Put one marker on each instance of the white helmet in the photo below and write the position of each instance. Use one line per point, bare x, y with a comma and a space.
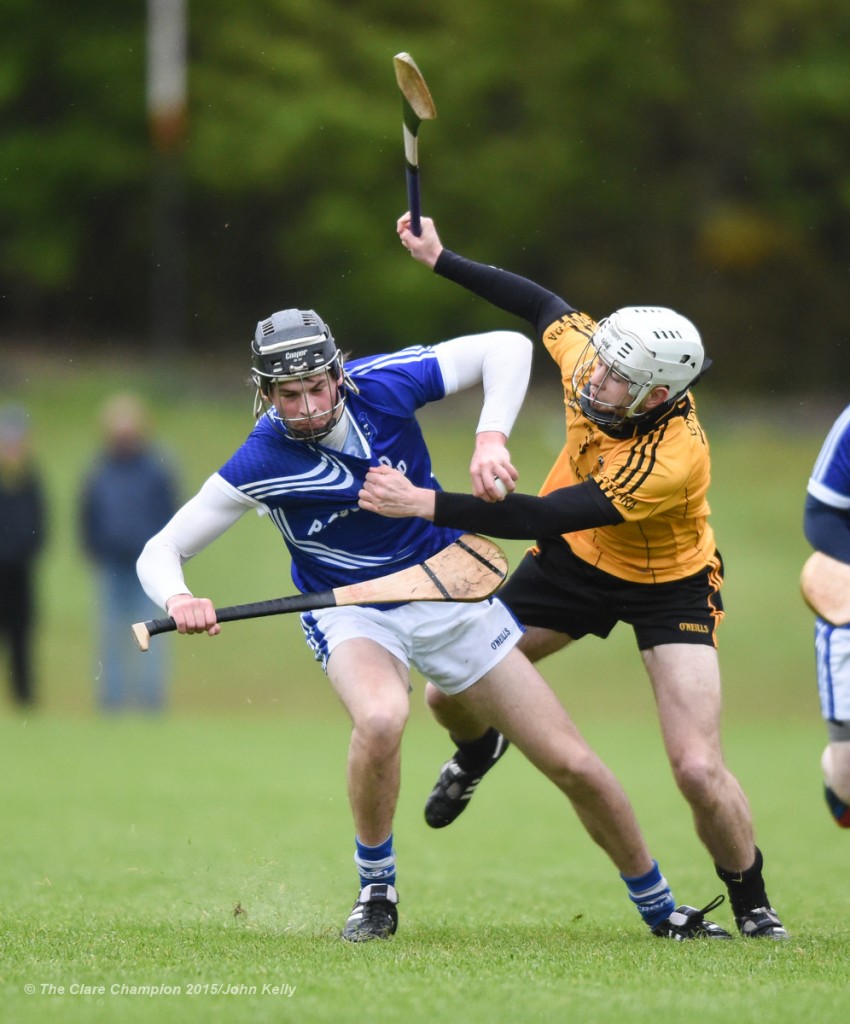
649, 346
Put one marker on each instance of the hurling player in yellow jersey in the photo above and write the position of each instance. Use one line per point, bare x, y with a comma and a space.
622, 535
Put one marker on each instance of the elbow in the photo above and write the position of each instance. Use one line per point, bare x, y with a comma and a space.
144, 559
515, 348
523, 344
514, 341
140, 564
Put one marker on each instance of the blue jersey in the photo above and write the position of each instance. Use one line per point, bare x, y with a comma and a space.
311, 491
830, 479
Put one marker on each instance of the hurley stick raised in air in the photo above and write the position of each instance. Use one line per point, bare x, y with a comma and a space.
417, 106
470, 569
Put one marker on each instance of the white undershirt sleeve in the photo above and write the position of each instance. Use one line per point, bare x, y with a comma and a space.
501, 361
212, 511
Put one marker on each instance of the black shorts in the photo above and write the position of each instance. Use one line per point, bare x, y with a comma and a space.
554, 589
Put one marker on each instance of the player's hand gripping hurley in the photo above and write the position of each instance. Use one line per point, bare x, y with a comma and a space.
417, 106
471, 569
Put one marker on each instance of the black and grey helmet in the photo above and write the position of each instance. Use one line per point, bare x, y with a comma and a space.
296, 344
291, 344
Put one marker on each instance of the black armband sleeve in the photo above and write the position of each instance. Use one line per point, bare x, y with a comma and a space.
827, 529
508, 291
526, 516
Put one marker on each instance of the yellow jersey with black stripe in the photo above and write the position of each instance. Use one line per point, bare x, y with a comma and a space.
657, 479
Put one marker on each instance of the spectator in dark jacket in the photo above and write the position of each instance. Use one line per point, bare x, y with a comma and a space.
128, 495
22, 533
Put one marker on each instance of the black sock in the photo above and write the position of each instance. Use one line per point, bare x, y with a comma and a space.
746, 888
477, 755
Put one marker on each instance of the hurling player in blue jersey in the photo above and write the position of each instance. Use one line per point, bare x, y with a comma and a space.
827, 528
320, 428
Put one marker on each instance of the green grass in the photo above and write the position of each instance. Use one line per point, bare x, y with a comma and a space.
129, 844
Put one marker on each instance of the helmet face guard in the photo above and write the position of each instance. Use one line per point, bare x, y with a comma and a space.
311, 426
296, 345
646, 348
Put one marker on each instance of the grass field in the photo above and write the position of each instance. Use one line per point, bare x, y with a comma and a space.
206, 851
210, 851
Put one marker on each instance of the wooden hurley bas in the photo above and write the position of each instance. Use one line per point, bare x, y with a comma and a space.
470, 569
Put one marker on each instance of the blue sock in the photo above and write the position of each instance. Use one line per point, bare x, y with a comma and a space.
375, 863
652, 896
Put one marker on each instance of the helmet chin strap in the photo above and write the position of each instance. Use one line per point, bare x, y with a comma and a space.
622, 425
311, 434
604, 416
287, 427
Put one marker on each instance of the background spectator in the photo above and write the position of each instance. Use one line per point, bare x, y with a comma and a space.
22, 533
128, 495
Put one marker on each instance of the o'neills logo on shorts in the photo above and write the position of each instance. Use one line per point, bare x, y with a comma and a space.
693, 627
501, 638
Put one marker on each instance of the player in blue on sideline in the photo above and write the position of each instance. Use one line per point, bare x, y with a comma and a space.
320, 426
827, 527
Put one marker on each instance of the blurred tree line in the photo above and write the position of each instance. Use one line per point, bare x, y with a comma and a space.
681, 152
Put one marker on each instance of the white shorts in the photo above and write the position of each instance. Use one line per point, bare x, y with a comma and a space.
452, 644
832, 651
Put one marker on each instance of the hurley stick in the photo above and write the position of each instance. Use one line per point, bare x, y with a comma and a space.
417, 106
470, 569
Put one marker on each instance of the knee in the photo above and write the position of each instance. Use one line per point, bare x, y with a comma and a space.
699, 774
577, 773
435, 698
379, 727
